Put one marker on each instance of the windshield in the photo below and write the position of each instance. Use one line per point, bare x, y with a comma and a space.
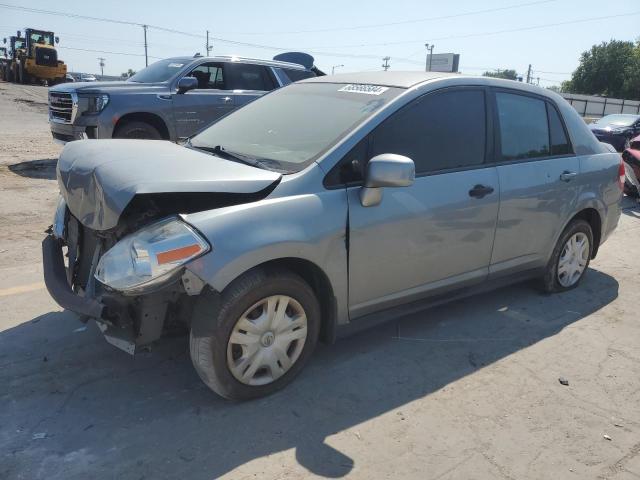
42, 37
619, 120
291, 127
158, 72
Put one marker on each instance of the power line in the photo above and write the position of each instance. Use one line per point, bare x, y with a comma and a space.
107, 52
400, 22
497, 32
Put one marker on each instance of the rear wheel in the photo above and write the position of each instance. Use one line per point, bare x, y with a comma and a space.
138, 130
262, 331
570, 258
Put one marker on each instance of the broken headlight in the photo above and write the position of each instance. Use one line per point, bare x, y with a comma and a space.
150, 256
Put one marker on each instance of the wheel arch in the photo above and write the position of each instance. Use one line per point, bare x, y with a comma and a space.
151, 118
593, 217
319, 282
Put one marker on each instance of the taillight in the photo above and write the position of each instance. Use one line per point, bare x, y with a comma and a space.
621, 174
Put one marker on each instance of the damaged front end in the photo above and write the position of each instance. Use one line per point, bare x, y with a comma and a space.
132, 283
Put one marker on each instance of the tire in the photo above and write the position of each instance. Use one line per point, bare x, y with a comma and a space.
137, 130
215, 358
552, 282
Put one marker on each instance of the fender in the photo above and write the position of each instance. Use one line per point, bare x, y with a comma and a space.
309, 227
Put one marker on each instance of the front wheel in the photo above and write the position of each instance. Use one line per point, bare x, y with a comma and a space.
570, 258
137, 130
261, 332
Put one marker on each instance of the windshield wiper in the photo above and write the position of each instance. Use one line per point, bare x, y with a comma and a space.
219, 150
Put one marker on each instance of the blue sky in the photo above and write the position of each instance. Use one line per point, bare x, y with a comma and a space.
327, 27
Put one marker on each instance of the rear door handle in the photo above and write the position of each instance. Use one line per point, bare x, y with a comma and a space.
567, 176
479, 191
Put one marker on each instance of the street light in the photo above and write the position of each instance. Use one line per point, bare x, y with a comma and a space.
333, 69
427, 63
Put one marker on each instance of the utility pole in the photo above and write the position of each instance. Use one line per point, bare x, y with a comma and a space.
538, 81
386, 65
333, 69
146, 58
529, 74
208, 47
101, 66
427, 62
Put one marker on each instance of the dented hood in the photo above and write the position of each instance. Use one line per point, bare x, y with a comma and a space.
99, 178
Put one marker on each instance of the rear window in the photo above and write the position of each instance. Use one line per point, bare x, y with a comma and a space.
245, 76
296, 75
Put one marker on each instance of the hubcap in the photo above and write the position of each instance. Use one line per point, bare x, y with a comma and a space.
267, 340
573, 259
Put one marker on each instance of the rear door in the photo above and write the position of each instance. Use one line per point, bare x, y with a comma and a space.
437, 233
538, 174
197, 108
248, 81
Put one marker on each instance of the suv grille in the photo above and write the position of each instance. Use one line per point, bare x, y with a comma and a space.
61, 107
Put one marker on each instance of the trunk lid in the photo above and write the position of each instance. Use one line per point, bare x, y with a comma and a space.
99, 178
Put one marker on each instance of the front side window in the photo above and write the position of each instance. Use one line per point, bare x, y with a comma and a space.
439, 131
524, 131
291, 127
209, 76
244, 76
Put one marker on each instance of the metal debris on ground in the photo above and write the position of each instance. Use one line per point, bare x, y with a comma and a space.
607, 437
563, 381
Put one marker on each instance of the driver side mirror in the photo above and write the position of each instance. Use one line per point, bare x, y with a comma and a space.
385, 170
187, 83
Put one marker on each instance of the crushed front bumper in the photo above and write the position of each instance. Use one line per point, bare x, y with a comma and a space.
129, 323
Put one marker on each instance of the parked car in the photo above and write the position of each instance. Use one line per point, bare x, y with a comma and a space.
355, 202
170, 99
631, 158
69, 78
87, 77
617, 129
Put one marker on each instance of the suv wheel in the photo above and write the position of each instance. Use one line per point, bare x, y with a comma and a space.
138, 130
264, 328
570, 258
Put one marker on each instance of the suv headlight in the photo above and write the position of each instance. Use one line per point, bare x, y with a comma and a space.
97, 103
150, 256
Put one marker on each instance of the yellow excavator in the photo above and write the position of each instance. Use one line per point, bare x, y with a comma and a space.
34, 58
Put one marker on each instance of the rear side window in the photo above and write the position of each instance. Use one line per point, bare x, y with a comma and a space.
438, 131
244, 76
296, 75
559, 142
524, 131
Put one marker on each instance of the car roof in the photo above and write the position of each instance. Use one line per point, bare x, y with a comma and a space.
235, 58
386, 79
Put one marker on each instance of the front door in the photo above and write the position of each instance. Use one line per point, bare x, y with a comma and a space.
197, 108
438, 233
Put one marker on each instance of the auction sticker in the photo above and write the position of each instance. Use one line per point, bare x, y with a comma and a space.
364, 88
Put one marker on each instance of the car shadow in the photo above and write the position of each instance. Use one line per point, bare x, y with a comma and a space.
76, 405
43, 169
630, 206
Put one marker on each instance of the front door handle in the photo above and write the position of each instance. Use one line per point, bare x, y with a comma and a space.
567, 176
479, 191
226, 99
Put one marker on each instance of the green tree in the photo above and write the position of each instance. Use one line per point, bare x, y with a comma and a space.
509, 74
128, 73
610, 69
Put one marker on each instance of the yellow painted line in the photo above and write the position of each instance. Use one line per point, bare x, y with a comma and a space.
32, 287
